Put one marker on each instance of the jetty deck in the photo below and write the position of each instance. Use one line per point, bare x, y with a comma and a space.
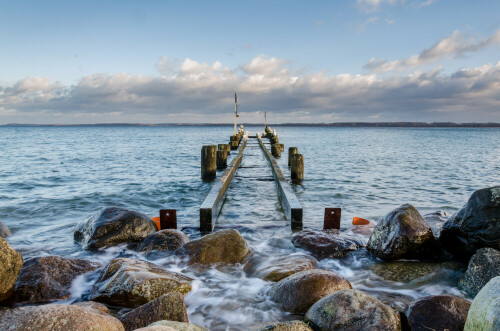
253, 171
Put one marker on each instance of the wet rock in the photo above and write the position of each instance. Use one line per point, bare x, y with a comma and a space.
275, 268
329, 243
406, 271
132, 282
92, 305
483, 266
49, 278
474, 226
172, 326
403, 234
484, 312
300, 291
288, 326
4, 230
439, 312
224, 246
112, 226
164, 240
10, 266
55, 317
352, 310
169, 306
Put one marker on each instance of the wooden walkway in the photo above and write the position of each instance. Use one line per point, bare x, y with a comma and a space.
211, 206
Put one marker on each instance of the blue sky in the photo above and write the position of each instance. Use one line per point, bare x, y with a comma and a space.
316, 61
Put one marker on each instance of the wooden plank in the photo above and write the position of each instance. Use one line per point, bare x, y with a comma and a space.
291, 205
210, 208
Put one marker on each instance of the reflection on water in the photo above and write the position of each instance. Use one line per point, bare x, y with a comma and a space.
53, 178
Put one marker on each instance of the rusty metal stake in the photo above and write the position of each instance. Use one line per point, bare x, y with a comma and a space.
332, 218
168, 219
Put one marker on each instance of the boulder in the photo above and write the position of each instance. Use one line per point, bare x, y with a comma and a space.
131, 283
439, 312
275, 268
10, 266
55, 317
483, 266
172, 326
224, 246
164, 240
328, 243
406, 271
4, 230
474, 226
288, 326
49, 278
300, 291
92, 305
352, 310
169, 306
403, 234
484, 312
112, 226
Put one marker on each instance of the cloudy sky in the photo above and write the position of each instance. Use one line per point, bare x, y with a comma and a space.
301, 61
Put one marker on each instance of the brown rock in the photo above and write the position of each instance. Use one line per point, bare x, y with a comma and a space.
224, 246
132, 282
4, 230
164, 240
275, 268
300, 291
172, 326
169, 306
328, 243
56, 317
288, 326
93, 305
439, 312
49, 278
10, 266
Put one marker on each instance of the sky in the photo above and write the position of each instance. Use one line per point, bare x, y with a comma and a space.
76, 62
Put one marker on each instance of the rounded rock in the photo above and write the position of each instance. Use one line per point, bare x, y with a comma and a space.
4, 230
484, 312
328, 243
275, 268
164, 240
10, 266
483, 266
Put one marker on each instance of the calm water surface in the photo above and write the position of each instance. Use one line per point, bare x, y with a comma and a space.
53, 178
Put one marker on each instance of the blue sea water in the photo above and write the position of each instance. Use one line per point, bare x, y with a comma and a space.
52, 178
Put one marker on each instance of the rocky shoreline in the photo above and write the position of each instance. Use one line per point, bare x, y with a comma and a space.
152, 298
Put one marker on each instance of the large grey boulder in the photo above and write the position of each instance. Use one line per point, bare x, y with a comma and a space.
483, 266
224, 246
484, 312
474, 226
49, 278
10, 266
164, 240
92, 305
287, 326
403, 234
439, 312
169, 306
131, 283
300, 291
112, 226
275, 268
352, 310
55, 317
407, 271
4, 230
328, 243
172, 326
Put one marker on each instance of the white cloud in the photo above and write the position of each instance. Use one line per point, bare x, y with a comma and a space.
370, 6
202, 92
456, 45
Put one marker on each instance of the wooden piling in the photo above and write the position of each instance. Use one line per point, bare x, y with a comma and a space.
297, 167
282, 146
234, 145
274, 139
276, 150
224, 147
208, 161
221, 159
291, 152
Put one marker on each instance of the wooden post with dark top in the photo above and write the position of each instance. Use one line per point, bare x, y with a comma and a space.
291, 152
168, 219
332, 218
276, 150
224, 147
297, 167
208, 161
275, 140
221, 159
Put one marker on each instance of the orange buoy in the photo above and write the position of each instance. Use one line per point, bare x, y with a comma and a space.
157, 222
360, 221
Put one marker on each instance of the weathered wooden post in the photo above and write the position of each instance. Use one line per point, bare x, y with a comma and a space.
224, 147
291, 152
234, 145
282, 147
274, 139
221, 159
276, 150
208, 161
297, 169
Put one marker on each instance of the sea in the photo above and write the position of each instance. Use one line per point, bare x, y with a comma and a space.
53, 178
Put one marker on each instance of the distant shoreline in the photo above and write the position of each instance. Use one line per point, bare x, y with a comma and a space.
337, 124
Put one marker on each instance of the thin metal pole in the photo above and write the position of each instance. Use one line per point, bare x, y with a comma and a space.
235, 112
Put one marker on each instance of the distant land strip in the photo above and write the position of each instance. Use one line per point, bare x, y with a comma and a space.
336, 124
